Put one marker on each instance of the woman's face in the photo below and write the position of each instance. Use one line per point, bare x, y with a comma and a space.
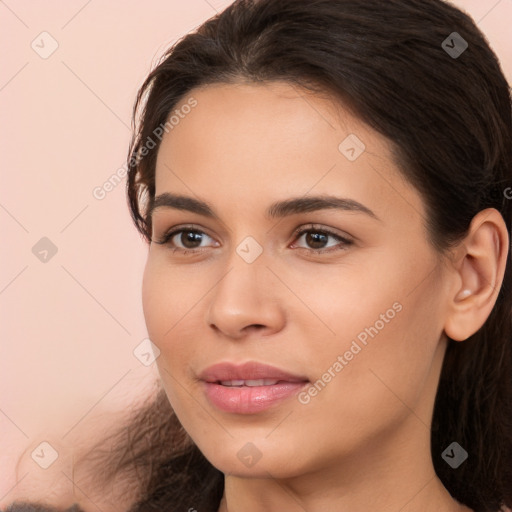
360, 317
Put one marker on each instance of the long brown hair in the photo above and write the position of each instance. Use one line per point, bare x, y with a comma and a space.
446, 108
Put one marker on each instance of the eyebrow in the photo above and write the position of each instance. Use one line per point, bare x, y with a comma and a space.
278, 209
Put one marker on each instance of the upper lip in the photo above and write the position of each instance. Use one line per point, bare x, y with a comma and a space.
251, 370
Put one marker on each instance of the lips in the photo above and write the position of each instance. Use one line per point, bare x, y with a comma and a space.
249, 388
250, 374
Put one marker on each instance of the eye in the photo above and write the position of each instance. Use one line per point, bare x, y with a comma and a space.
318, 237
188, 239
187, 236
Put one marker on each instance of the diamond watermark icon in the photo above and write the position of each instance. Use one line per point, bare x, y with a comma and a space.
44, 249
454, 45
146, 352
249, 455
249, 249
352, 147
44, 455
454, 455
44, 45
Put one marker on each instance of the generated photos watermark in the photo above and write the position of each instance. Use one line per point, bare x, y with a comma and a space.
356, 347
100, 192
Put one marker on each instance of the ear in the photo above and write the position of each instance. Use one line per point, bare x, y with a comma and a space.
477, 270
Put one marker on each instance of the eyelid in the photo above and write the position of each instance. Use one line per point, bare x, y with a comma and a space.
318, 227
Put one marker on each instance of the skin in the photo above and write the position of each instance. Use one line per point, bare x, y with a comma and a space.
363, 441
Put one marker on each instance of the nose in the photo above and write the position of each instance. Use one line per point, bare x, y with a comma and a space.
246, 301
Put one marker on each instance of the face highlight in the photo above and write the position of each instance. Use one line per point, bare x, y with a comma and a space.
344, 290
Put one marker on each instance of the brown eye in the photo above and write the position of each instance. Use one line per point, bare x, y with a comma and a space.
189, 238
183, 239
317, 240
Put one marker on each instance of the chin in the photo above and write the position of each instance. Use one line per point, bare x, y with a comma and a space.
256, 458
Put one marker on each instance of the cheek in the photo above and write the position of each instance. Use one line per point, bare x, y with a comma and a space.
153, 303
386, 331
341, 303
166, 300
379, 384
393, 359
168, 295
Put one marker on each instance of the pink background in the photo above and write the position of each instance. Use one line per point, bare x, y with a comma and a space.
69, 325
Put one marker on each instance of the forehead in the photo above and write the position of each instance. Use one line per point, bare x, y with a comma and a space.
272, 113
273, 139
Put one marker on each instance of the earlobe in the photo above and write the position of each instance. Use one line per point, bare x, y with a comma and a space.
478, 274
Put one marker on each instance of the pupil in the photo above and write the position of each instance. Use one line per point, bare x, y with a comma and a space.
190, 237
315, 238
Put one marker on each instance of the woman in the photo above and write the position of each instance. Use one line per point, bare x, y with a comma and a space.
325, 189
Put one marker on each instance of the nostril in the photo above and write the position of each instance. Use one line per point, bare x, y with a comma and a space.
253, 328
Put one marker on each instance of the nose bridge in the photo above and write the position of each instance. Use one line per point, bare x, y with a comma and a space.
243, 295
245, 274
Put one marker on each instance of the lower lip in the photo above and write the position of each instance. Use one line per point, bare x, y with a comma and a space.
250, 399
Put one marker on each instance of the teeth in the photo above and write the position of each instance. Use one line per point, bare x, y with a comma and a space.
232, 382
259, 382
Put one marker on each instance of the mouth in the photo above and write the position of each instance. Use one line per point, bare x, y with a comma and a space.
249, 388
250, 373
249, 383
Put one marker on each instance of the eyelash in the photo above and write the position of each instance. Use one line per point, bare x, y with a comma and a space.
165, 240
